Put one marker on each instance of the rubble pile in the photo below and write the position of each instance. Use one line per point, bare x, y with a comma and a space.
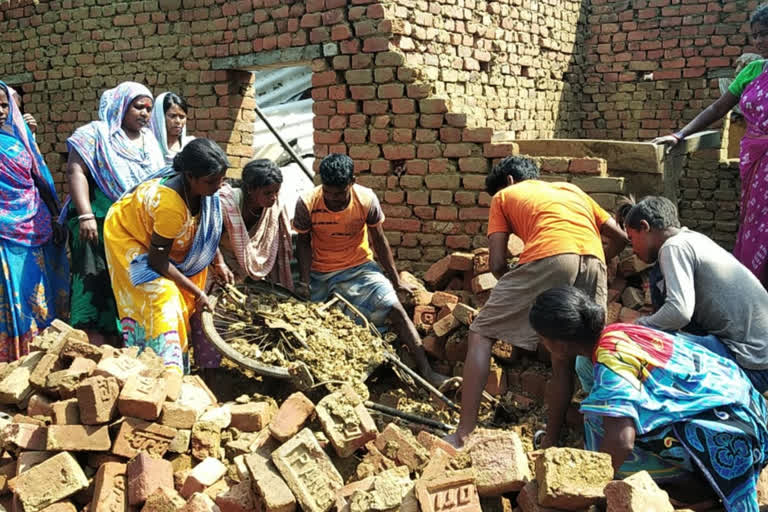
284, 332
100, 429
453, 289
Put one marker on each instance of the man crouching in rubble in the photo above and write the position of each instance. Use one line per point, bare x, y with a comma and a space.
334, 222
561, 227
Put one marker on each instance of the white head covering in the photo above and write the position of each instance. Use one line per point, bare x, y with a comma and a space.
157, 124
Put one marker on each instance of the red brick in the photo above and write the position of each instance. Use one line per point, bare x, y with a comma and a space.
587, 166
24, 436
375, 44
142, 397
291, 416
440, 299
433, 106
163, 500
400, 445
39, 405
60, 477
456, 492
78, 438
109, 488
66, 412
483, 282
253, 416
145, 475
439, 273
204, 475
564, 484
346, 421
136, 435
424, 317
534, 384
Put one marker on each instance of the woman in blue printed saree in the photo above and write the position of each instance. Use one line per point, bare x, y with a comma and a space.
660, 402
106, 158
160, 239
35, 271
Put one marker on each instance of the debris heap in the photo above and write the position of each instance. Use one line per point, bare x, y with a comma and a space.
454, 289
99, 429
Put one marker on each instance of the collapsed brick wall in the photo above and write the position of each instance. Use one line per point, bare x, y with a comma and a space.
421, 154
514, 66
422, 142
652, 65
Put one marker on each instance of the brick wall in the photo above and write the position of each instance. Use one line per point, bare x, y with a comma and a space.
384, 87
512, 66
652, 65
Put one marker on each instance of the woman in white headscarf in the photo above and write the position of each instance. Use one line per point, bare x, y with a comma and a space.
169, 124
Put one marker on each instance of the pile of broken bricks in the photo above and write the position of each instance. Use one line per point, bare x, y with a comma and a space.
97, 429
452, 290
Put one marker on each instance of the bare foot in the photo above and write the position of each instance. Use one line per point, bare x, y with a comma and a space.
455, 440
436, 379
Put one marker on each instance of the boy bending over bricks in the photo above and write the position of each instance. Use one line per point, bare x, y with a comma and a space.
561, 227
335, 222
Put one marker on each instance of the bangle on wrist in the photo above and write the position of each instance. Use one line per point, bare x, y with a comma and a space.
677, 137
85, 216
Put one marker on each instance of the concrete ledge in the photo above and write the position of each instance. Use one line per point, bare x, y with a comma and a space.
622, 157
274, 58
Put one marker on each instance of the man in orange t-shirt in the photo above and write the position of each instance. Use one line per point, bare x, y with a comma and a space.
561, 227
335, 222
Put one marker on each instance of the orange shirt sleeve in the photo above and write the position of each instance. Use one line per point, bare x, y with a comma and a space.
601, 216
497, 221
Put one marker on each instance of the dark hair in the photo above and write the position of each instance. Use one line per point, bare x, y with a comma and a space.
260, 173
623, 208
200, 158
659, 212
172, 99
567, 314
519, 167
337, 170
759, 15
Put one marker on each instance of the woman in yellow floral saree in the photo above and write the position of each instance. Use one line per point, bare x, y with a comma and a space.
160, 239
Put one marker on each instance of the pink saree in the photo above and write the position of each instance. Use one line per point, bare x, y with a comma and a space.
751, 247
265, 251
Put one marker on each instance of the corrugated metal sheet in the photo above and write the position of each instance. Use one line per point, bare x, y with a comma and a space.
283, 96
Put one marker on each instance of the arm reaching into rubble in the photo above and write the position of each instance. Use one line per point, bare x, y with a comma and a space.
497, 257
617, 238
559, 396
304, 257
619, 440
159, 250
302, 223
677, 266
384, 256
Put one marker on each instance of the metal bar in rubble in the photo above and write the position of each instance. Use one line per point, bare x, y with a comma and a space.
421, 380
413, 418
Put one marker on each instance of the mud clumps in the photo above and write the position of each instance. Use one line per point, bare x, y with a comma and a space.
282, 331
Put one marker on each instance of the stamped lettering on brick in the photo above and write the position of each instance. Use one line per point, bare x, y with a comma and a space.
310, 475
149, 442
102, 391
454, 493
455, 499
145, 385
308, 471
140, 436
